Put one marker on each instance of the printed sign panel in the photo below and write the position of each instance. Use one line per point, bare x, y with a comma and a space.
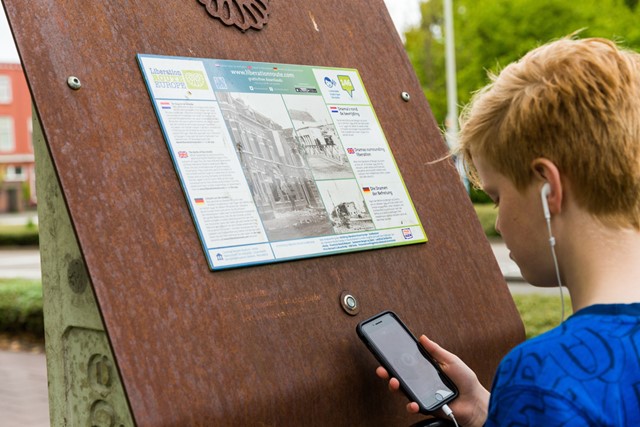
278, 161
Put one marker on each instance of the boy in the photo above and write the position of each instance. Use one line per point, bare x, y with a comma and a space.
561, 128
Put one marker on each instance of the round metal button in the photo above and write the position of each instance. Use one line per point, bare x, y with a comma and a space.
349, 303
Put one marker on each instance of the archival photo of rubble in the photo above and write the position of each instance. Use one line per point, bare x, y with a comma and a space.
317, 137
346, 207
280, 179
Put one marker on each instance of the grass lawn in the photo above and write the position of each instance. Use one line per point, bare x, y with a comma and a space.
19, 235
21, 321
487, 214
540, 313
17, 229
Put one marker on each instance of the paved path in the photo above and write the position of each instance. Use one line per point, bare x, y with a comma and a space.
23, 390
20, 218
20, 262
25, 263
24, 400
513, 276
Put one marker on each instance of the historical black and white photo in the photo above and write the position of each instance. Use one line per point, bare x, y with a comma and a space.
278, 175
317, 137
346, 206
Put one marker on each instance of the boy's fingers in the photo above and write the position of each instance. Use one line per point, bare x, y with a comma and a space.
413, 408
382, 373
441, 355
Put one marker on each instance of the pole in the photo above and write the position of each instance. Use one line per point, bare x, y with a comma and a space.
451, 123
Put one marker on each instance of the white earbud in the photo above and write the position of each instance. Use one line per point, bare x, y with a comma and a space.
544, 193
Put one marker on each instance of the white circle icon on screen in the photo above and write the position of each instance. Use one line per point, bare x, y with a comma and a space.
408, 359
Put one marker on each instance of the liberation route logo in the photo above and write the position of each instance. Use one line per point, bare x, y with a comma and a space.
195, 80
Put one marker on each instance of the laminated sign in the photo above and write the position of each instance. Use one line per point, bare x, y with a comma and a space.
278, 161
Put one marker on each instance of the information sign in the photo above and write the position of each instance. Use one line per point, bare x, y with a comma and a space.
278, 161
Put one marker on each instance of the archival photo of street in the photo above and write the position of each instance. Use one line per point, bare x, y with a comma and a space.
273, 160
346, 206
318, 137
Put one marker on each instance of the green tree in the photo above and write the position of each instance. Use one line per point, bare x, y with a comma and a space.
490, 34
425, 48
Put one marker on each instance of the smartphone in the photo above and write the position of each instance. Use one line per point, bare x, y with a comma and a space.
402, 355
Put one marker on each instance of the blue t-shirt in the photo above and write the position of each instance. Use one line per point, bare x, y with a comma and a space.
585, 372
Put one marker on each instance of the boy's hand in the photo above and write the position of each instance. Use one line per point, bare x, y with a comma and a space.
470, 407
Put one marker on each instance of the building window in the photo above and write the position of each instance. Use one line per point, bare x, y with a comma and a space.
5, 90
30, 132
7, 138
15, 173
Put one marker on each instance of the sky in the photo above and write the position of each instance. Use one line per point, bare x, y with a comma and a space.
8, 52
405, 13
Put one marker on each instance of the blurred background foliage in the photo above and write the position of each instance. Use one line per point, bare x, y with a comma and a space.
489, 34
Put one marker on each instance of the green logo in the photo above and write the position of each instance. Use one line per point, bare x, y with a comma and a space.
195, 79
346, 84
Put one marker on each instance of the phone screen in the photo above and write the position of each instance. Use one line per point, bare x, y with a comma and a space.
395, 344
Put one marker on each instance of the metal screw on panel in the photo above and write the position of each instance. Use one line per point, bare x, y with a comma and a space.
74, 82
405, 96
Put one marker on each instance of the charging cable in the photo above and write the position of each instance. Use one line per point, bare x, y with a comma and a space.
449, 413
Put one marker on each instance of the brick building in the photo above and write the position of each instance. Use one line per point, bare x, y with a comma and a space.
17, 165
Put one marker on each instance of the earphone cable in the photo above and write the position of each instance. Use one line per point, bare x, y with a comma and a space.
552, 242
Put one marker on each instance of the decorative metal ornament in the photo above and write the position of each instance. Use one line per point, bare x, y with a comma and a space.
244, 14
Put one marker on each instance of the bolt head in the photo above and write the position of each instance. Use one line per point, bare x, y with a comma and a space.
74, 82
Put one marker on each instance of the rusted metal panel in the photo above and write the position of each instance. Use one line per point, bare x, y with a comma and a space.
267, 345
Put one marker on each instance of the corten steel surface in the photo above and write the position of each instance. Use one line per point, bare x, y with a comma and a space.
267, 345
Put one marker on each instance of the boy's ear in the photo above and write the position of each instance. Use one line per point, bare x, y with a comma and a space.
546, 172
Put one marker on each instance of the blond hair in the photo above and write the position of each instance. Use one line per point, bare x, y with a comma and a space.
576, 103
